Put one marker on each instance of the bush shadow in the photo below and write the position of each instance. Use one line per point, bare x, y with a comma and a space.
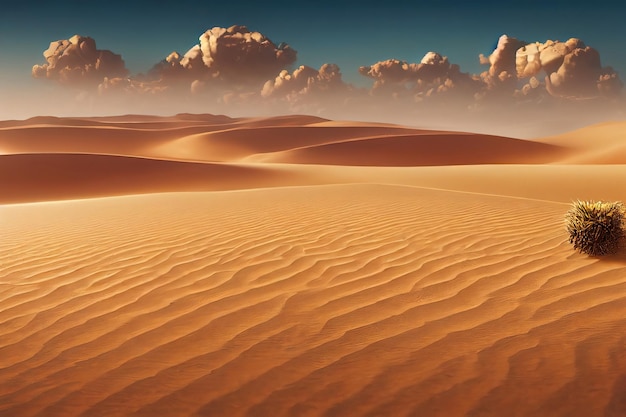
617, 257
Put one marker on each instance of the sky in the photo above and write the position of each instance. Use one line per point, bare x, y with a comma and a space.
349, 33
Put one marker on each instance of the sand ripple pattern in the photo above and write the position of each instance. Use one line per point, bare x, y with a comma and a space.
345, 300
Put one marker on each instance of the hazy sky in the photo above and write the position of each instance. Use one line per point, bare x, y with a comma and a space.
347, 33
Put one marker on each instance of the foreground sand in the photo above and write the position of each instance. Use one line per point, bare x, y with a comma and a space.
281, 288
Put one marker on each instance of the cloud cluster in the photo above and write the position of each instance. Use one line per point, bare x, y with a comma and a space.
78, 61
235, 68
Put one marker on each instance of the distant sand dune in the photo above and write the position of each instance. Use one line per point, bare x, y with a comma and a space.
290, 120
158, 150
133, 141
130, 120
423, 150
198, 265
245, 142
318, 143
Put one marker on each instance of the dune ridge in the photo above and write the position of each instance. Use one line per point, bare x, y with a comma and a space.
198, 265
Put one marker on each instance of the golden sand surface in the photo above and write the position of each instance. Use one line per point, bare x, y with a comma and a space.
204, 266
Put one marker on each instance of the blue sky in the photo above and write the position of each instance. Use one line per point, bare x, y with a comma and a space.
348, 33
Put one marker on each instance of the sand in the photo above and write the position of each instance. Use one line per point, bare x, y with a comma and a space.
204, 266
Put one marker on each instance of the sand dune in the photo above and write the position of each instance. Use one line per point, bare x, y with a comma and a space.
129, 141
601, 134
122, 121
290, 120
598, 144
45, 177
247, 142
318, 268
431, 149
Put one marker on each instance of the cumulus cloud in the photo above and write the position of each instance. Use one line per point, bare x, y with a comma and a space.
129, 86
391, 71
582, 76
535, 57
233, 55
78, 61
570, 69
609, 83
431, 67
433, 76
502, 59
577, 75
179, 68
308, 89
305, 80
501, 79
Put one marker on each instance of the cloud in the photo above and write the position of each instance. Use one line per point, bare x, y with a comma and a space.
581, 76
500, 79
78, 61
306, 80
570, 69
391, 71
431, 67
305, 90
433, 76
233, 55
129, 86
609, 84
176, 68
502, 59
535, 57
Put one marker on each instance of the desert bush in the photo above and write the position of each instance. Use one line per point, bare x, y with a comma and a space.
596, 227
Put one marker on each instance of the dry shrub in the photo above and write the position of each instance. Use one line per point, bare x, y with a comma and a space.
596, 227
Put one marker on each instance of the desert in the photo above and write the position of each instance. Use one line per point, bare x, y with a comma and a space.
203, 265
